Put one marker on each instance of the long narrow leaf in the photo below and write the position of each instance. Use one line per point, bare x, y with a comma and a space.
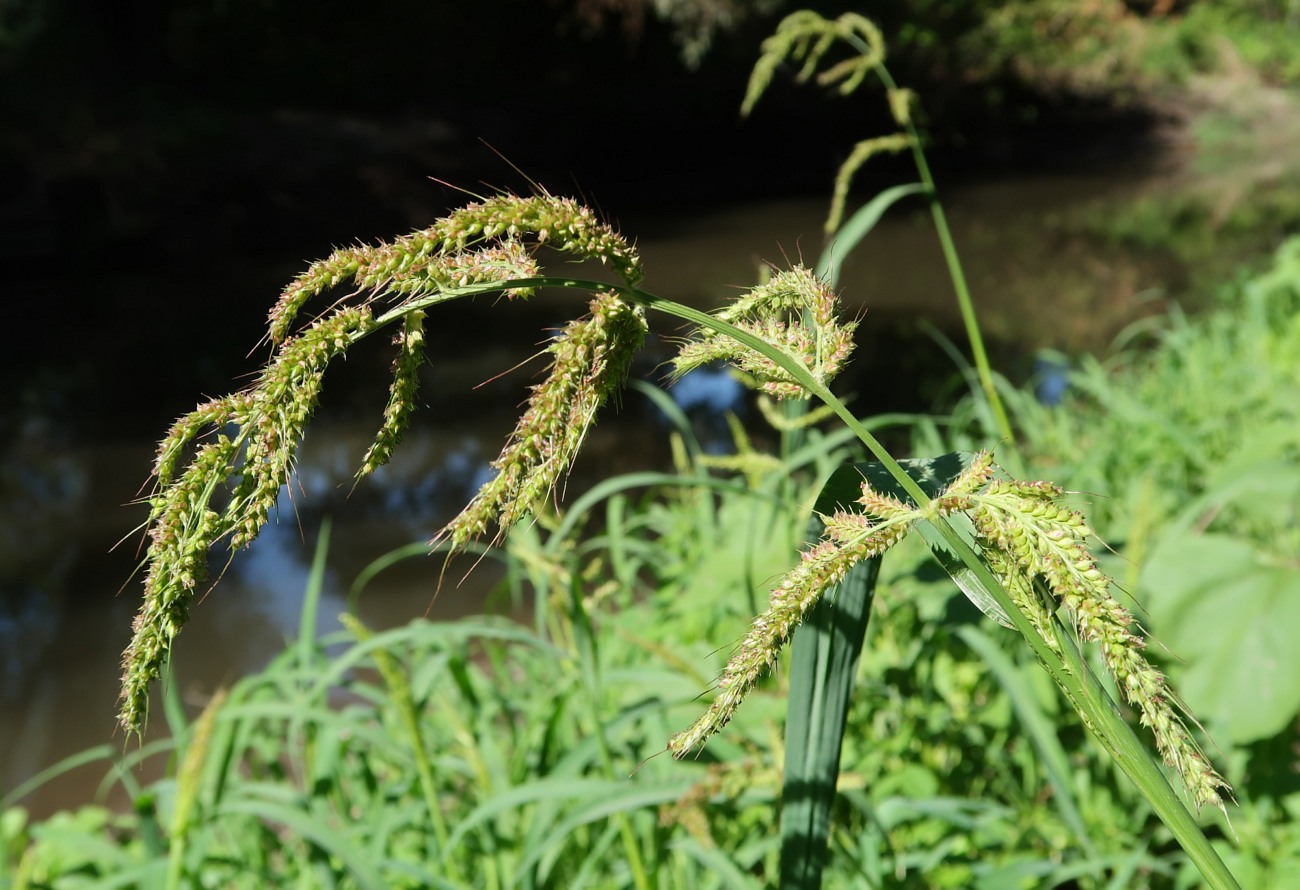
1037, 725
823, 664
860, 223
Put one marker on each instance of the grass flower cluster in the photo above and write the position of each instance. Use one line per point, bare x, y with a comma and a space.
805, 38
590, 362
795, 312
784, 337
241, 448
1031, 539
1037, 547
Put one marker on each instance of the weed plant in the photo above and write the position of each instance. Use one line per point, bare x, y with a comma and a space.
425, 756
1187, 439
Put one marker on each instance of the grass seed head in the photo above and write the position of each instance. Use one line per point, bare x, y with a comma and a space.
590, 360
796, 312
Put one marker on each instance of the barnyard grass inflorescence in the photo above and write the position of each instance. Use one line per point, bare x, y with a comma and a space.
1038, 549
241, 448
796, 312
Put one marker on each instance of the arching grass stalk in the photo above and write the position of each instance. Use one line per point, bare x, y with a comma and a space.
806, 37
1051, 642
785, 335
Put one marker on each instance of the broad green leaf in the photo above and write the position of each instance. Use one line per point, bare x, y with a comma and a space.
1231, 616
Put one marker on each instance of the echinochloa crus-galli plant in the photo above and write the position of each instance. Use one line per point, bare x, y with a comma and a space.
220, 469
1028, 539
241, 448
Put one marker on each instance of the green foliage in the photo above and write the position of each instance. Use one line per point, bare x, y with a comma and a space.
1261, 32
423, 756
1188, 452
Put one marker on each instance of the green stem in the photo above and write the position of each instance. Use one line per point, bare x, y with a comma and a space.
949, 248
954, 270
1063, 661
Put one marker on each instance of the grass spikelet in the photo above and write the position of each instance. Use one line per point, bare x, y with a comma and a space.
862, 152
1029, 535
560, 223
901, 101
213, 414
401, 393
284, 400
848, 538
590, 360
805, 37
265, 425
794, 311
478, 242
957, 495
180, 537
502, 262
244, 445
366, 267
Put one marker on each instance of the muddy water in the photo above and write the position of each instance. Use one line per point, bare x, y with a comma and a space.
68, 615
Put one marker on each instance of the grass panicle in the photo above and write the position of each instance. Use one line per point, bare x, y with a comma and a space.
849, 537
243, 446
795, 312
891, 143
783, 336
448, 252
805, 37
1028, 537
590, 360
401, 393
1033, 536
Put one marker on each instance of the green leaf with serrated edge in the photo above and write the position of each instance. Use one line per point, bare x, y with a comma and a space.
933, 474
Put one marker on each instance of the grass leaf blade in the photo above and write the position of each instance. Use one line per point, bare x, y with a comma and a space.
823, 665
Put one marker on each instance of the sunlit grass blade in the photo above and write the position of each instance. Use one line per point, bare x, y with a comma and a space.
822, 669
859, 225
1039, 728
626, 799
261, 802
104, 753
719, 866
311, 600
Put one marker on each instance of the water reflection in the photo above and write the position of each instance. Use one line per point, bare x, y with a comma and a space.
42, 497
